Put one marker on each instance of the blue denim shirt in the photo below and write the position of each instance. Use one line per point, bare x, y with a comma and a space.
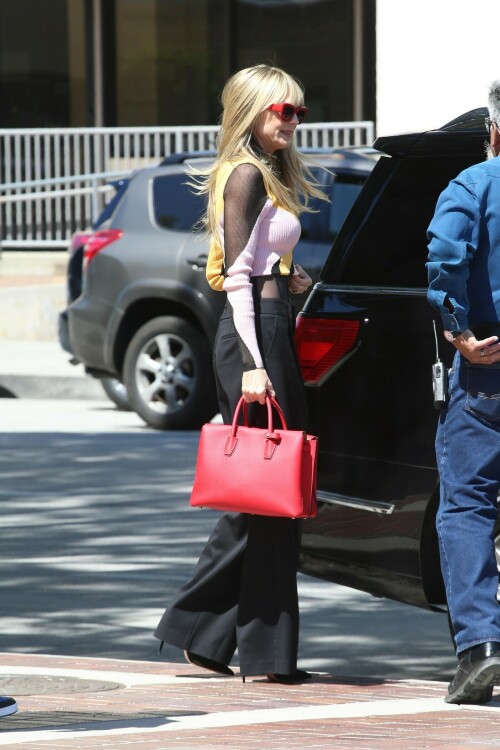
464, 249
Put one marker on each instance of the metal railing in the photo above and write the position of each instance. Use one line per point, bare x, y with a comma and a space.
52, 180
45, 194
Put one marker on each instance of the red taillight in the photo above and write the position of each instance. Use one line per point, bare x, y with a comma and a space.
322, 343
97, 241
78, 239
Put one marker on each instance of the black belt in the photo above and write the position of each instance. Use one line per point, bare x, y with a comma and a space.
484, 332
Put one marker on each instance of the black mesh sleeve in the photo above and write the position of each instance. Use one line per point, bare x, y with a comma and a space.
244, 199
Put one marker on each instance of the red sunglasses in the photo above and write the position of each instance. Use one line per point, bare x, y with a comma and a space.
287, 111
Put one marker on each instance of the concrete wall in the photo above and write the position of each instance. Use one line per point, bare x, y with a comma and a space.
32, 293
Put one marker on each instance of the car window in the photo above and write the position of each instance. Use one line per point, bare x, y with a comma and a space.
383, 242
313, 222
343, 196
323, 225
120, 186
175, 205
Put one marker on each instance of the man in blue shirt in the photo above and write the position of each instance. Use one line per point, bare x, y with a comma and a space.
464, 286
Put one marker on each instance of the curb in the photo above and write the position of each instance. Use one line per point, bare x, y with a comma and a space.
34, 387
87, 703
32, 363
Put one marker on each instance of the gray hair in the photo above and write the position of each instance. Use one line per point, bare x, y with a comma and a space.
494, 101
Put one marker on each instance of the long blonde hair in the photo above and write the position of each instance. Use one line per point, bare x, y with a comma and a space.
246, 95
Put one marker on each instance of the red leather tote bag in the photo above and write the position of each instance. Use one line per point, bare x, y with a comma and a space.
267, 472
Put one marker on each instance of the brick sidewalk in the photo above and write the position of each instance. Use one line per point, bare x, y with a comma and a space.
67, 702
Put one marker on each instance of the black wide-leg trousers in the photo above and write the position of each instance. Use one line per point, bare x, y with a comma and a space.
243, 593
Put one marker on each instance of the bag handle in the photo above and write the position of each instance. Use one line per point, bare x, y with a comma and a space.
270, 402
272, 438
274, 403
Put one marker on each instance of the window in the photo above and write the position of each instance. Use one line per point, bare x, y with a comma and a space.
324, 224
164, 62
174, 203
42, 63
171, 61
384, 240
344, 194
171, 58
311, 40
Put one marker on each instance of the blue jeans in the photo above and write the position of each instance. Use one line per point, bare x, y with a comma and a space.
468, 455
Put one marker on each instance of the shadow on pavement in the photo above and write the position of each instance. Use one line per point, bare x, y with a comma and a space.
97, 534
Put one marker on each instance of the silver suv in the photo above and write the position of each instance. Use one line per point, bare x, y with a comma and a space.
146, 315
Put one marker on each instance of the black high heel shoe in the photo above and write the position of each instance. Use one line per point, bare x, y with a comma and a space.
290, 679
204, 663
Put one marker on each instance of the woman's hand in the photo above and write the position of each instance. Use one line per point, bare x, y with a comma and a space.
255, 385
483, 352
300, 281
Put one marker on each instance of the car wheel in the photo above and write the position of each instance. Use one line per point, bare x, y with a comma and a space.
168, 375
116, 391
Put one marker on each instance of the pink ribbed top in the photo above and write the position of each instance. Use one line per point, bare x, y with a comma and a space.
268, 251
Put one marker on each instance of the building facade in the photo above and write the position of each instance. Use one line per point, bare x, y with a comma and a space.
76, 63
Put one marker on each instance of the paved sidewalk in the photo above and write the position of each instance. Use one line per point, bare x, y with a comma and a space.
71, 702
32, 362
42, 369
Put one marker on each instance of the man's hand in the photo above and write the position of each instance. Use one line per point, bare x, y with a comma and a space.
484, 352
255, 385
300, 281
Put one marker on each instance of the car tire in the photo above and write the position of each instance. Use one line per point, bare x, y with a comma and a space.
168, 375
117, 392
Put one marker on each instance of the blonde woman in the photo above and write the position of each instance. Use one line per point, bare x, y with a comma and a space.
243, 594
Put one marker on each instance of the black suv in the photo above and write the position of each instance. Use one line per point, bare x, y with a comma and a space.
146, 315
366, 343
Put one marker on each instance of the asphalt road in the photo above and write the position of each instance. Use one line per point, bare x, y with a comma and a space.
96, 534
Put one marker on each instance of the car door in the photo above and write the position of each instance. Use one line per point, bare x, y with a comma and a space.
370, 324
